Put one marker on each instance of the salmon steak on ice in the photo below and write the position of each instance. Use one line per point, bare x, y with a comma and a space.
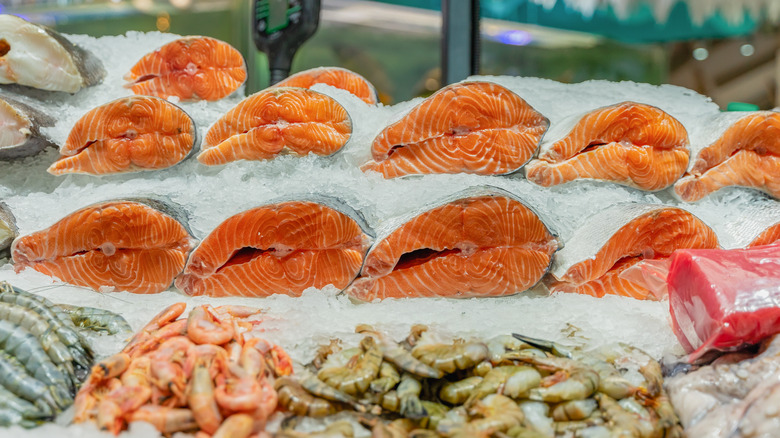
275, 121
596, 259
335, 77
190, 68
629, 143
125, 135
133, 245
746, 154
280, 248
468, 127
479, 242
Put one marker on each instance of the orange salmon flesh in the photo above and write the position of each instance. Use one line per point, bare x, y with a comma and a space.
470, 127
654, 235
335, 77
275, 121
631, 144
276, 249
477, 246
128, 134
747, 154
125, 245
190, 68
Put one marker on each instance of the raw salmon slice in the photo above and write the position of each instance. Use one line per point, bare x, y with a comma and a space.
595, 259
482, 242
190, 68
767, 237
280, 248
275, 121
126, 135
335, 77
747, 154
136, 246
629, 143
470, 127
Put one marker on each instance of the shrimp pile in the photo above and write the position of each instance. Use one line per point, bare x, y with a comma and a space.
510, 386
208, 373
43, 357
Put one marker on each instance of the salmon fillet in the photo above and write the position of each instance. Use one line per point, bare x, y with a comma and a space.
652, 232
127, 245
767, 237
483, 245
470, 127
747, 154
629, 143
335, 77
128, 134
282, 248
275, 121
190, 68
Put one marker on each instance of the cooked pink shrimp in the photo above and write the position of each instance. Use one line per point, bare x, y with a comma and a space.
200, 397
204, 327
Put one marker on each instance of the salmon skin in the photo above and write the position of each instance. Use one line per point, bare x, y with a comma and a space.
280, 120
479, 242
126, 135
37, 56
629, 143
747, 154
468, 127
20, 129
281, 248
190, 68
335, 77
137, 245
610, 242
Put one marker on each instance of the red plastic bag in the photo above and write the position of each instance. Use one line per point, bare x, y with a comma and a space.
724, 299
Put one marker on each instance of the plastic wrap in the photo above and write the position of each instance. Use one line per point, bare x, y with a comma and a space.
724, 299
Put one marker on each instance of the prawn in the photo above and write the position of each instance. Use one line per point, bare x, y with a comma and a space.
572, 381
409, 395
355, 380
388, 378
97, 319
511, 380
235, 426
204, 327
450, 358
167, 316
200, 397
295, 399
397, 355
456, 393
166, 420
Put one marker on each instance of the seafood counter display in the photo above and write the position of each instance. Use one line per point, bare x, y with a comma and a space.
549, 210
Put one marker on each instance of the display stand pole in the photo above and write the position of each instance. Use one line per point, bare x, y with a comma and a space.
460, 40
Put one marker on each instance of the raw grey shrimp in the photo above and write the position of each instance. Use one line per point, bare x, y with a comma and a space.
317, 387
456, 393
409, 394
553, 347
572, 380
338, 428
624, 423
388, 378
97, 319
451, 358
496, 413
355, 380
37, 326
14, 378
11, 417
646, 422
523, 432
436, 413
499, 346
300, 402
29, 410
25, 347
324, 352
399, 356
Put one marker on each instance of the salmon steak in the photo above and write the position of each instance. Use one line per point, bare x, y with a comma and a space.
137, 246
190, 68
296, 121
767, 237
335, 77
125, 135
469, 127
747, 154
482, 242
629, 143
596, 259
280, 248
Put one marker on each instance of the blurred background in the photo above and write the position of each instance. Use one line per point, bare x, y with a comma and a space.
727, 49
